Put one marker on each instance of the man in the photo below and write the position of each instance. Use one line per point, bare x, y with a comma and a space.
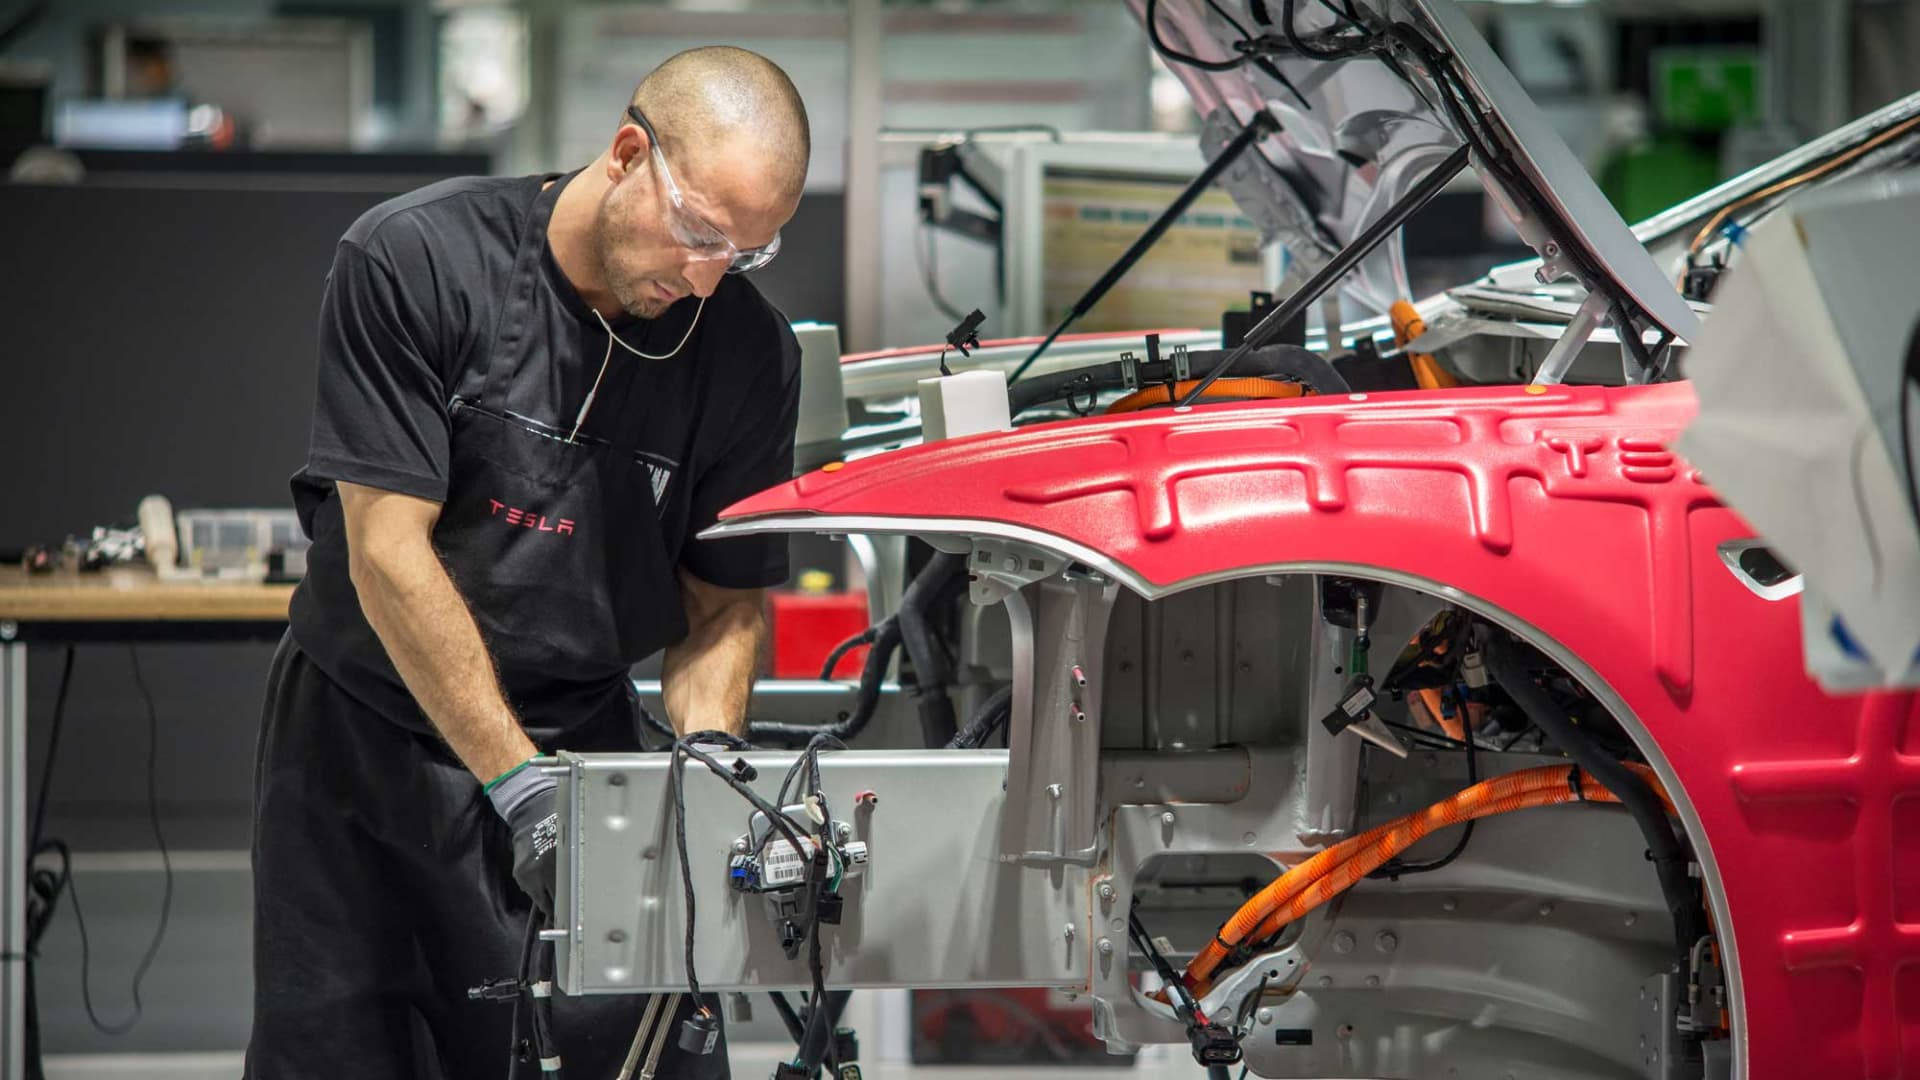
533, 393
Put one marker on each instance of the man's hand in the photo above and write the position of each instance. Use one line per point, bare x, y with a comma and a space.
705, 680
526, 799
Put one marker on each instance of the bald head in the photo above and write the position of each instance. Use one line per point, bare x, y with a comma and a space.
723, 100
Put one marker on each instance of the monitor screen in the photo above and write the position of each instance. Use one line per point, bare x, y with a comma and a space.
1208, 261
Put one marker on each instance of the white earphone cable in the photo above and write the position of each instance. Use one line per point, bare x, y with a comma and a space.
587, 405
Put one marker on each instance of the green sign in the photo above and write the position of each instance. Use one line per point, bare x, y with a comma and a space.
1706, 89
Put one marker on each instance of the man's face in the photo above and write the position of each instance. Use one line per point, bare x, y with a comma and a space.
646, 267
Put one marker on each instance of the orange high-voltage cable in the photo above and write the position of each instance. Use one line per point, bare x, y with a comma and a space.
1333, 871
1240, 389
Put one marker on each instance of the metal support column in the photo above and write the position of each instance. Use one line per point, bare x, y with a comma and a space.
865, 113
13, 850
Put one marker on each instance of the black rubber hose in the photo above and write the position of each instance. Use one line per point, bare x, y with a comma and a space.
930, 670
885, 643
864, 637
987, 717
1508, 667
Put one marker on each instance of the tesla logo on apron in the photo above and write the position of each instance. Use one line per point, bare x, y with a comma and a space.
529, 519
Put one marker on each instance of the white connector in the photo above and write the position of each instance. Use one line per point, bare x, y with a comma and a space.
964, 404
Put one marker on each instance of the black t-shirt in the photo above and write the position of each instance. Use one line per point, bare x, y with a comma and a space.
410, 315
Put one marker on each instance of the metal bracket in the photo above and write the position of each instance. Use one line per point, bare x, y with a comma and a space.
1654, 1024
1000, 567
1560, 358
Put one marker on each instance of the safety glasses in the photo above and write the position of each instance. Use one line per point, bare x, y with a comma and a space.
694, 232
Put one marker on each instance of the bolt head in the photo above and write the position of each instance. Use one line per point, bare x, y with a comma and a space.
1265, 1016
1106, 891
1069, 930
740, 845
1106, 947
1344, 942
1326, 980
1166, 818
1373, 982
1386, 941
1054, 790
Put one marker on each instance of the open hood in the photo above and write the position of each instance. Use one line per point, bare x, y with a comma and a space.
1372, 95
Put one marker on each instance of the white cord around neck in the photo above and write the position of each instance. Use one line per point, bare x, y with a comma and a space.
587, 405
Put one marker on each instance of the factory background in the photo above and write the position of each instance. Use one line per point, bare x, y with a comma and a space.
180, 172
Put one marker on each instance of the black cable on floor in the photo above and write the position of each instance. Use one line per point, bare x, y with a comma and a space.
166, 865
53, 751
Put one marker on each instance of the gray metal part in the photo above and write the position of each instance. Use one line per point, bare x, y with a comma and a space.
13, 843
1653, 1025
1557, 175
1053, 775
941, 902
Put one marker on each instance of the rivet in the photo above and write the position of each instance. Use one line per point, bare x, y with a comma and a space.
616, 935
1393, 798
1344, 942
1345, 1032
1632, 917
1265, 1016
1069, 931
1386, 941
1245, 667
1449, 904
1373, 982
1053, 790
1012, 562
1546, 909
1326, 980
617, 780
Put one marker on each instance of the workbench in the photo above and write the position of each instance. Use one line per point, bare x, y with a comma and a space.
121, 604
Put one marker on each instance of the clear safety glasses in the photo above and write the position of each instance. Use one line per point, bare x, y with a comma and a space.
694, 232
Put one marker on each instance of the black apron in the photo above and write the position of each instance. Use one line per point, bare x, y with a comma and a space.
564, 546
383, 882
555, 540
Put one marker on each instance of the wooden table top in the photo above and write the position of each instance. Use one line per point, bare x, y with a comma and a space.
134, 594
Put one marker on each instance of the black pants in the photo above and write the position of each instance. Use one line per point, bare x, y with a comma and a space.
382, 889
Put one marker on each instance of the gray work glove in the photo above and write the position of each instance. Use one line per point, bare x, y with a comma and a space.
526, 801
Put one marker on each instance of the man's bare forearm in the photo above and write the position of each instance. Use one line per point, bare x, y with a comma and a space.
424, 624
706, 679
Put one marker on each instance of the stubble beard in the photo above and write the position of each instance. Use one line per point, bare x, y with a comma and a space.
628, 290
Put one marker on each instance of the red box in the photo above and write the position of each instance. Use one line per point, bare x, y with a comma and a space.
806, 627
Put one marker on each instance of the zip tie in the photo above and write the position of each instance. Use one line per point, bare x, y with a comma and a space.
1573, 781
541, 989
550, 1065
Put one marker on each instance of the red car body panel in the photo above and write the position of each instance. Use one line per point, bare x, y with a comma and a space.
1561, 507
